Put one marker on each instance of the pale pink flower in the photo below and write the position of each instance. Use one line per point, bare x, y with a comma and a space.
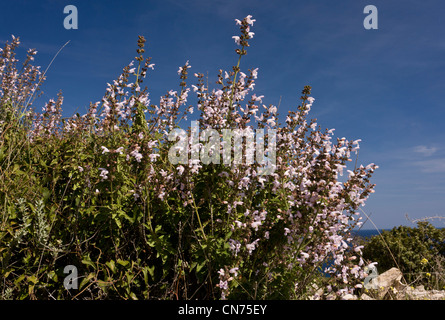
234, 271
255, 225
153, 157
180, 170
249, 20
251, 246
103, 173
135, 153
304, 254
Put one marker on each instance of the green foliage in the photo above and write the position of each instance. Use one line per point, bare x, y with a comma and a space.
418, 252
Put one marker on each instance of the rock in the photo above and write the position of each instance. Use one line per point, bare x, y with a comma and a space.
436, 295
420, 288
366, 297
387, 280
331, 296
317, 293
419, 293
349, 297
388, 285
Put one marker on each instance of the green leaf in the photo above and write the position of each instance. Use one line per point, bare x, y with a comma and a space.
86, 280
123, 263
125, 215
111, 265
133, 296
32, 279
103, 284
53, 276
16, 170
151, 271
19, 279
88, 262
54, 161
145, 273
200, 266
45, 193
2, 153
117, 220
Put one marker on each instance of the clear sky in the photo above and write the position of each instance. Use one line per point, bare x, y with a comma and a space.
384, 86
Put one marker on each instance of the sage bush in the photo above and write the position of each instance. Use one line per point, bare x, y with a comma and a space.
98, 191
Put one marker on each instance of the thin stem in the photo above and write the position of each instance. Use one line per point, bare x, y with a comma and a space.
234, 80
199, 219
43, 76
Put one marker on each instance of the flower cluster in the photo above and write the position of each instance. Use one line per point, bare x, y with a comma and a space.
18, 89
246, 34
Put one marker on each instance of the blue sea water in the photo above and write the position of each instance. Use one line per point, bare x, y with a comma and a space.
367, 233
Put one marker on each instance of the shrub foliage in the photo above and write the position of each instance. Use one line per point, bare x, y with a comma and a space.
418, 252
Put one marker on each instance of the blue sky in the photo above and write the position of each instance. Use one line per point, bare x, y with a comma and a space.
384, 86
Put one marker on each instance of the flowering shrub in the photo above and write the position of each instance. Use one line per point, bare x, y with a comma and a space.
98, 191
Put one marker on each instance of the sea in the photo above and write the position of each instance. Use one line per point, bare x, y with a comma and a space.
367, 233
